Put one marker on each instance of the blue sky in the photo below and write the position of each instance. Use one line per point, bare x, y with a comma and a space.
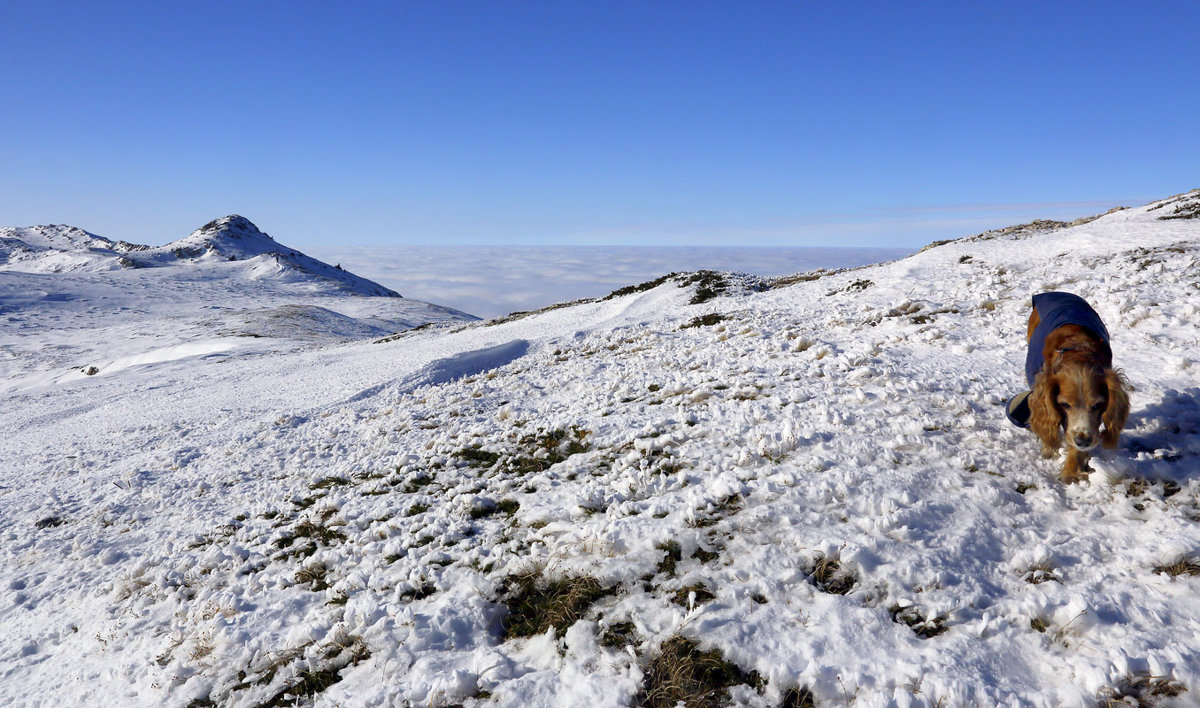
717, 123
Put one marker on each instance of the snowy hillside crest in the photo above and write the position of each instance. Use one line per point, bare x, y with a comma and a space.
709, 489
60, 248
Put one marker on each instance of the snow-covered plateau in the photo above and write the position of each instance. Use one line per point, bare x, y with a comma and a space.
711, 488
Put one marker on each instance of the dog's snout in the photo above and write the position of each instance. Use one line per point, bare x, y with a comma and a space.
1084, 440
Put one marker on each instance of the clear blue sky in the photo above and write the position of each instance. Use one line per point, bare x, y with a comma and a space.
770, 123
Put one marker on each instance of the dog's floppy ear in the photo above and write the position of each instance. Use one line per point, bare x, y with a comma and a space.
1044, 418
1117, 411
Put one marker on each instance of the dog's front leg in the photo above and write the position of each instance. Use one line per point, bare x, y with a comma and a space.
1076, 468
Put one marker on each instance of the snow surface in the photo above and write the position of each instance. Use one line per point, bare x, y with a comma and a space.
199, 533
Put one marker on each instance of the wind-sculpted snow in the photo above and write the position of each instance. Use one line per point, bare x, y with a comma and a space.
811, 490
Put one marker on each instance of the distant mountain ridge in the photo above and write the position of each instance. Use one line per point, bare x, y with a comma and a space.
59, 248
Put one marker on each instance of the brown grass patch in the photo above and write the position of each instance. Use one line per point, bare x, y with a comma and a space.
683, 673
535, 603
1140, 690
1184, 565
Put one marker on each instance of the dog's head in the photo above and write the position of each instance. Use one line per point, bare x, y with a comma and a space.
1074, 400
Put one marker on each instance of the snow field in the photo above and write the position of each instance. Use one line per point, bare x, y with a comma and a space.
818, 483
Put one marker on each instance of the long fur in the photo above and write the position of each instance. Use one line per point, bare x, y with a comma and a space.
1045, 420
1117, 411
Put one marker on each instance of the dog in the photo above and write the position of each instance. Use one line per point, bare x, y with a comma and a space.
1073, 385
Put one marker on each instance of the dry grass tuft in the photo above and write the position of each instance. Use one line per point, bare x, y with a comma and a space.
798, 697
1139, 690
1184, 565
536, 604
829, 576
620, 635
683, 673
692, 596
1039, 573
923, 626
672, 554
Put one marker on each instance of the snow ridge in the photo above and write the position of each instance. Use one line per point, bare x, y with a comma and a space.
233, 238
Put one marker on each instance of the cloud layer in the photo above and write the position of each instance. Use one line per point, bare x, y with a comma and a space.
490, 281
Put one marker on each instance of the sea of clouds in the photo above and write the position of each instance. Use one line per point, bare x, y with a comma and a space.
490, 281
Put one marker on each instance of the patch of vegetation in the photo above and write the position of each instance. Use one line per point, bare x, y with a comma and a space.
705, 320
927, 317
672, 554
806, 277
1139, 690
620, 635
640, 287
1039, 624
314, 575
313, 680
828, 576
328, 482
50, 522
478, 456
705, 556
1140, 486
924, 627
798, 697
548, 448
709, 284
1040, 573
419, 593
1186, 210
682, 673
855, 287
417, 509
314, 533
536, 603
692, 595
414, 485
1184, 565
326, 535
965, 259
935, 244
1022, 487
507, 506
727, 506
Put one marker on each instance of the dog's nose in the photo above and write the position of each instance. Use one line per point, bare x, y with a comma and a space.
1083, 440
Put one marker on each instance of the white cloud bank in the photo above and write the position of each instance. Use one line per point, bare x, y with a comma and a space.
490, 281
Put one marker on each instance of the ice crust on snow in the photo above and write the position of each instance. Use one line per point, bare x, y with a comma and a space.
223, 529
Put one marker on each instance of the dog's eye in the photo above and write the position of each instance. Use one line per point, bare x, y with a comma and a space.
1065, 405
1098, 406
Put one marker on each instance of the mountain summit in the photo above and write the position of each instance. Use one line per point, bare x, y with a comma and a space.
229, 239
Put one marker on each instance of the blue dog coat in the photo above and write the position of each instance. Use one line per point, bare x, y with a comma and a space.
1054, 310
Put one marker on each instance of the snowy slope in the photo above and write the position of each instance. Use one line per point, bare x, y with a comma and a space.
233, 238
72, 302
811, 478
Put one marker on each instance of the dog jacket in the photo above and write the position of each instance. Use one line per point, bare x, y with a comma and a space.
1055, 310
